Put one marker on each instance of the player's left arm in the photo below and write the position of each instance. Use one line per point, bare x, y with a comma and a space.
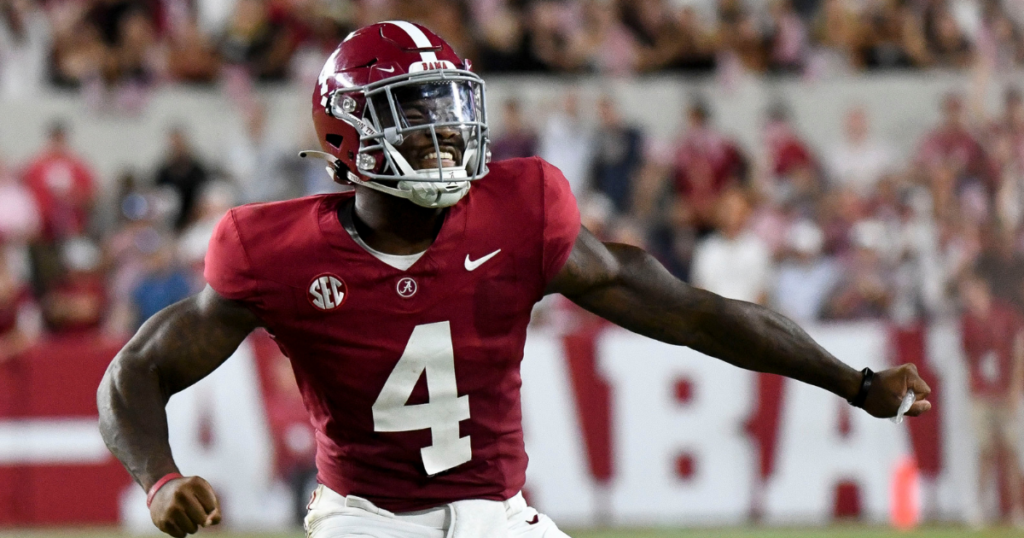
627, 286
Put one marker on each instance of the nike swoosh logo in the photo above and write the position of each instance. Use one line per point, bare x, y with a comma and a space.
388, 70
471, 265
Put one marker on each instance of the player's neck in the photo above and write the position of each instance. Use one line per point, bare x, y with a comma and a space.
394, 225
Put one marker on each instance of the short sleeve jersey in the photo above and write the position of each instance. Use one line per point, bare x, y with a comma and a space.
411, 378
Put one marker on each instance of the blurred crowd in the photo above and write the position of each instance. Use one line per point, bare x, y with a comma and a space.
115, 49
836, 230
76, 259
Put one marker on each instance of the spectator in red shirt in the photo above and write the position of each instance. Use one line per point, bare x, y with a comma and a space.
63, 185
993, 340
707, 162
77, 301
517, 138
793, 168
952, 144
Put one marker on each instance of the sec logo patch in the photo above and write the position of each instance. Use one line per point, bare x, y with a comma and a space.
327, 292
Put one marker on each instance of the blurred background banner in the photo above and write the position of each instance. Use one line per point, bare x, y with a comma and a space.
683, 441
857, 165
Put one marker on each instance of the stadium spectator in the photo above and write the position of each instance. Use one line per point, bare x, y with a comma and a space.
860, 161
79, 53
706, 164
743, 41
550, 28
103, 43
25, 42
837, 31
517, 138
805, 278
255, 160
16, 307
163, 281
654, 30
191, 54
603, 42
216, 199
787, 38
64, 189
733, 262
948, 46
63, 186
256, 41
1001, 264
999, 41
696, 49
182, 171
866, 289
77, 301
992, 335
792, 167
20, 221
893, 37
952, 145
618, 150
566, 141
504, 42
143, 213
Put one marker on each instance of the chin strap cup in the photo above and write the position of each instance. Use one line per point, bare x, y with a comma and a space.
434, 194
430, 194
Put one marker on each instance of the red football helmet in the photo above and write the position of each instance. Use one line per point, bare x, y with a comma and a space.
385, 83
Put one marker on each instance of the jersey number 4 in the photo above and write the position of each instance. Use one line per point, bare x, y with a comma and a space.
429, 349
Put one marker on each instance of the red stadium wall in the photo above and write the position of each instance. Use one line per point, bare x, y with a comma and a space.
54, 468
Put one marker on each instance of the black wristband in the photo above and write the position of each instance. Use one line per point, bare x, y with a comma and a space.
865, 386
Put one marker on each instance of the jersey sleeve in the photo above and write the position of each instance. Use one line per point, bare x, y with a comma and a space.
228, 269
561, 220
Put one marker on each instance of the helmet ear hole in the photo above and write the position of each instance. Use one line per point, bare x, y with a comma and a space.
334, 140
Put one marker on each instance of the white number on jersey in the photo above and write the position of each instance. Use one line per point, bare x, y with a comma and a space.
430, 349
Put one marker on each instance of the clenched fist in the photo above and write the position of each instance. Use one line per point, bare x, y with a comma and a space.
890, 386
183, 505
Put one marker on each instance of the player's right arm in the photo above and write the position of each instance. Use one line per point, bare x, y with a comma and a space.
177, 347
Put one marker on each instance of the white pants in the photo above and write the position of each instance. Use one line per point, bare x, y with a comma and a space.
332, 515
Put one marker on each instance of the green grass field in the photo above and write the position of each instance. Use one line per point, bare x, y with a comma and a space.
830, 532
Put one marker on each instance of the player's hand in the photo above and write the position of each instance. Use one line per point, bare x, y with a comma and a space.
183, 505
890, 386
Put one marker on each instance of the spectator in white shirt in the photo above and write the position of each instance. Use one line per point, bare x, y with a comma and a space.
566, 141
255, 160
25, 42
860, 161
805, 280
733, 262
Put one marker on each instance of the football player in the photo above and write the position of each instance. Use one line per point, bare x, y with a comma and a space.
430, 268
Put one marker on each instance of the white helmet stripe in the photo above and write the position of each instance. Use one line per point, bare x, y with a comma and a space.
419, 38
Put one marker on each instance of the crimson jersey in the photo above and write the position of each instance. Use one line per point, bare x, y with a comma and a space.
411, 378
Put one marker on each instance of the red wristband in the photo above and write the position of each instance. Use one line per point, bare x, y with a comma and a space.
159, 484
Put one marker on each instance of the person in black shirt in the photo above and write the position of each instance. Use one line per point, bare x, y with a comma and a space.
184, 173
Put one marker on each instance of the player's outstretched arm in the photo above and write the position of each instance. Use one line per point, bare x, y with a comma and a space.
627, 286
178, 346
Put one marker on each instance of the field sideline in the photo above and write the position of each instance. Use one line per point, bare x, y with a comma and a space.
829, 532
